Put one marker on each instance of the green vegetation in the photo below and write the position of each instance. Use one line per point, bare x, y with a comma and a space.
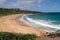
16, 36
5, 11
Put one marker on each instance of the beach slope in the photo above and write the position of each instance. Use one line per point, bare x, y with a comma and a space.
9, 24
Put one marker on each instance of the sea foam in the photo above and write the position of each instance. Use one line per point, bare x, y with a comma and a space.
42, 24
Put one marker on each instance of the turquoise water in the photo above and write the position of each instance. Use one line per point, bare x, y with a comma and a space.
48, 22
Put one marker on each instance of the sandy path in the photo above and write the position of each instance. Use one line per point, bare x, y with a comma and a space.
9, 24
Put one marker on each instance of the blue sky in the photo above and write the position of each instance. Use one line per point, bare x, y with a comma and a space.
37, 5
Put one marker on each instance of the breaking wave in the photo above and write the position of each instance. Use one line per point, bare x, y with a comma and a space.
41, 24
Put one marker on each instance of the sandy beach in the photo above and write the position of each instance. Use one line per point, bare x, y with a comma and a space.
9, 24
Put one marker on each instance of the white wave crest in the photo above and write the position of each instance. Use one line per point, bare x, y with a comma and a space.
46, 25
43, 23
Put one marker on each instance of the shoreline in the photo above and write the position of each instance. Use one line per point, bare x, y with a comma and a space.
39, 31
10, 24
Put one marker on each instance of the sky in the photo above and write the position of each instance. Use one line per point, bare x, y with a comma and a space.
36, 5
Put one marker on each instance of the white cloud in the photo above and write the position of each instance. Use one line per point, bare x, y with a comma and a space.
2, 1
20, 3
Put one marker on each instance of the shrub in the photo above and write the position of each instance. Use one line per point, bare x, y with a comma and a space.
16, 36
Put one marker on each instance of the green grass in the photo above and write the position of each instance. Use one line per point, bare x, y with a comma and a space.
16, 36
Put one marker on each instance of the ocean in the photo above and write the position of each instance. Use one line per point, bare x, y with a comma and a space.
47, 21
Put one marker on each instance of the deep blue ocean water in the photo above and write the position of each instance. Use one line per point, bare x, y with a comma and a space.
46, 21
